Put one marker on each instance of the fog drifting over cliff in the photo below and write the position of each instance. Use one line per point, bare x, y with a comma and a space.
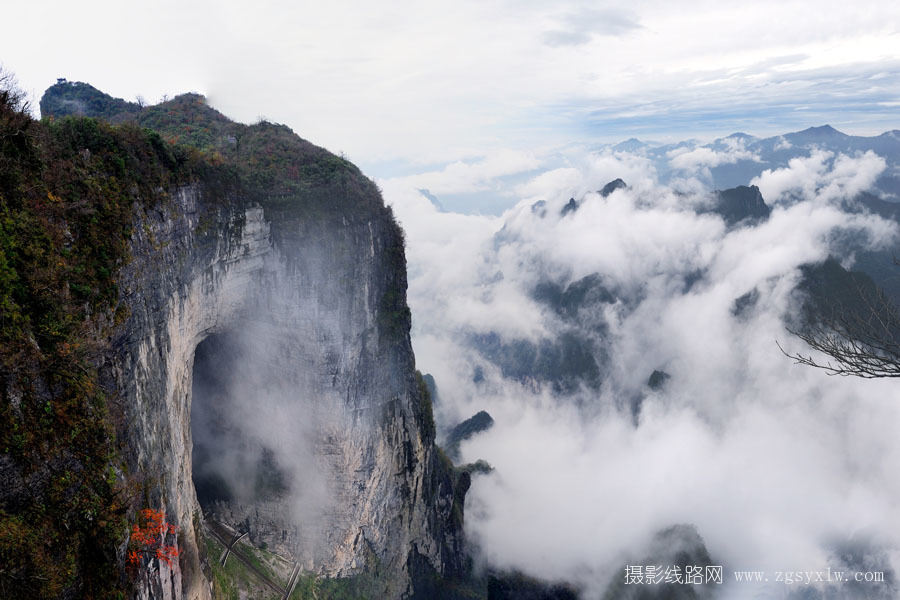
777, 465
256, 423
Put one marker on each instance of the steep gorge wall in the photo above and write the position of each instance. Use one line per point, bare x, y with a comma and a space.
328, 289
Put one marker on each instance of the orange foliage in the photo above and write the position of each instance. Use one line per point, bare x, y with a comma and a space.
149, 539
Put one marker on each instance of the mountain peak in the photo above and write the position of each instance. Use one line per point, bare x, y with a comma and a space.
822, 131
82, 99
742, 203
629, 145
612, 186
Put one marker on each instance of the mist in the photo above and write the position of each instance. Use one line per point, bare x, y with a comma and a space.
256, 426
778, 466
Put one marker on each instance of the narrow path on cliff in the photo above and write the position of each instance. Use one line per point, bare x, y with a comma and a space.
222, 537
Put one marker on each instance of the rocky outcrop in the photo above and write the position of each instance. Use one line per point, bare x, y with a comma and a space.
742, 204
609, 188
480, 421
324, 290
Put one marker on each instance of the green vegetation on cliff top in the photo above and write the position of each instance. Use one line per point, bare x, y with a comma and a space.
273, 162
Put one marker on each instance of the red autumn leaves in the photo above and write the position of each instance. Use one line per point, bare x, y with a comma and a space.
149, 539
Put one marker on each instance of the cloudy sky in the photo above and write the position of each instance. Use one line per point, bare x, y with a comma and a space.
405, 88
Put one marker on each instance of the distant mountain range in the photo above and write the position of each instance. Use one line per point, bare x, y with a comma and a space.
745, 156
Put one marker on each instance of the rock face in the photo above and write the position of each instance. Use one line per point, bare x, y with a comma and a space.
480, 421
324, 291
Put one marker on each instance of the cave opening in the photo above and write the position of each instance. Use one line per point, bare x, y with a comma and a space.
260, 433
234, 460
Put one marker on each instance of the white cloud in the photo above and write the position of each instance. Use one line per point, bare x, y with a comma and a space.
739, 442
783, 144
582, 25
589, 173
448, 256
477, 175
701, 159
821, 175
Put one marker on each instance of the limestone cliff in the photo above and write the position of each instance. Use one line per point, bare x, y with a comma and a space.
325, 289
279, 242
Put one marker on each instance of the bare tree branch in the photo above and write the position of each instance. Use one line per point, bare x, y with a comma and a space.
861, 341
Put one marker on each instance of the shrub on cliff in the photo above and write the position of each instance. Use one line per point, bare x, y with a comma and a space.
67, 191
